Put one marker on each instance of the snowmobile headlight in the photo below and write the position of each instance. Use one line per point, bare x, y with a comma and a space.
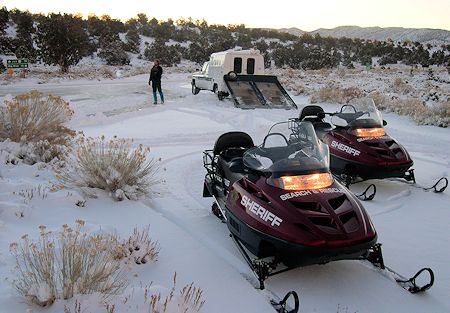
368, 132
303, 182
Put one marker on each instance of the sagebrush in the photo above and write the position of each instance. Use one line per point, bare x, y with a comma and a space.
71, 261
111, 165
337, 95
437, 114
35, 116
57, 266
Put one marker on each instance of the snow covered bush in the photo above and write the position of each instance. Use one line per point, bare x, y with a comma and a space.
58, 266
110, 165
139, 247
34, 116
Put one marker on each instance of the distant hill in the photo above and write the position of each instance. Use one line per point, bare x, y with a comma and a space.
293, 31
378, 33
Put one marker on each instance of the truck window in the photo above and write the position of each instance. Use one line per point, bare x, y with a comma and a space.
250, 66
237, 65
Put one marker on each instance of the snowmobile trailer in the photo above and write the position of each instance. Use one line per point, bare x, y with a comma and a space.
240, 74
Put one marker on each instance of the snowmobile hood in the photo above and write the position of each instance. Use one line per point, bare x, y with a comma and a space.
328, 217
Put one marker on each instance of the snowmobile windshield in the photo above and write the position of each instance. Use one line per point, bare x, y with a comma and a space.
360, 114
289, 148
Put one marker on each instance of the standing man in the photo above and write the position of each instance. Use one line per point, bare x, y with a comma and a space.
155, 79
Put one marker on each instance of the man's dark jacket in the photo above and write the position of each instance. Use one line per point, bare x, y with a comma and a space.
155, 74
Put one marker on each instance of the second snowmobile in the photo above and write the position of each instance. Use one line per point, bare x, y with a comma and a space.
360, 148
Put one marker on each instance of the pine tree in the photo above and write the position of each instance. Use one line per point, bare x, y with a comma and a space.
62, 40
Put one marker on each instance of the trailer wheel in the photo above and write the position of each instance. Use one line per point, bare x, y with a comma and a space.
221, 95
195, 89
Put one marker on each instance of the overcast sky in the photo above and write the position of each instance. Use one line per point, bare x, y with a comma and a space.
306, 15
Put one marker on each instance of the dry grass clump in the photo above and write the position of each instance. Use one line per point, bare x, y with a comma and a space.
438, 114
189, 300
336, 95
70, 262
402, 87
110, 165
33, 117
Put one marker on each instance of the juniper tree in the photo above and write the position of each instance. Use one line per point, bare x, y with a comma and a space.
133, 41
112, 51
62, 40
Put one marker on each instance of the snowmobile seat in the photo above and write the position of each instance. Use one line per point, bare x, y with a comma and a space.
311, 113
315, 114
233, 169
232, 140
322, 128
230, 148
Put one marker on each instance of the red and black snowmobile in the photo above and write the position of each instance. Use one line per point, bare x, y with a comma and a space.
360, 148
283, 206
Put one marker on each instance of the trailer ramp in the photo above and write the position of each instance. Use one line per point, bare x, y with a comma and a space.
258, 91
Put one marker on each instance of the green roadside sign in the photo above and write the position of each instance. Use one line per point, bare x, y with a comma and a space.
17, 63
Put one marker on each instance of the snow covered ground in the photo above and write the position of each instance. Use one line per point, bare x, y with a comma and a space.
413, 225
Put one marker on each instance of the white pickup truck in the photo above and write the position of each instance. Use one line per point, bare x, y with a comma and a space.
211, 77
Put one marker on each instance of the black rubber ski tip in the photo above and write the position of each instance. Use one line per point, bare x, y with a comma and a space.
281, 306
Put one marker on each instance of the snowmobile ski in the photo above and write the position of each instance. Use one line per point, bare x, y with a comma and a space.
375, 257
367, 195
438, 187
282, 305
263, 269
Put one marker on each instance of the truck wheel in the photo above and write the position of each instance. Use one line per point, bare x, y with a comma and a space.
215, 88
195, 90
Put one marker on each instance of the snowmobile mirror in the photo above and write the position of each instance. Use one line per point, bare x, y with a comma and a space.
384, 123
